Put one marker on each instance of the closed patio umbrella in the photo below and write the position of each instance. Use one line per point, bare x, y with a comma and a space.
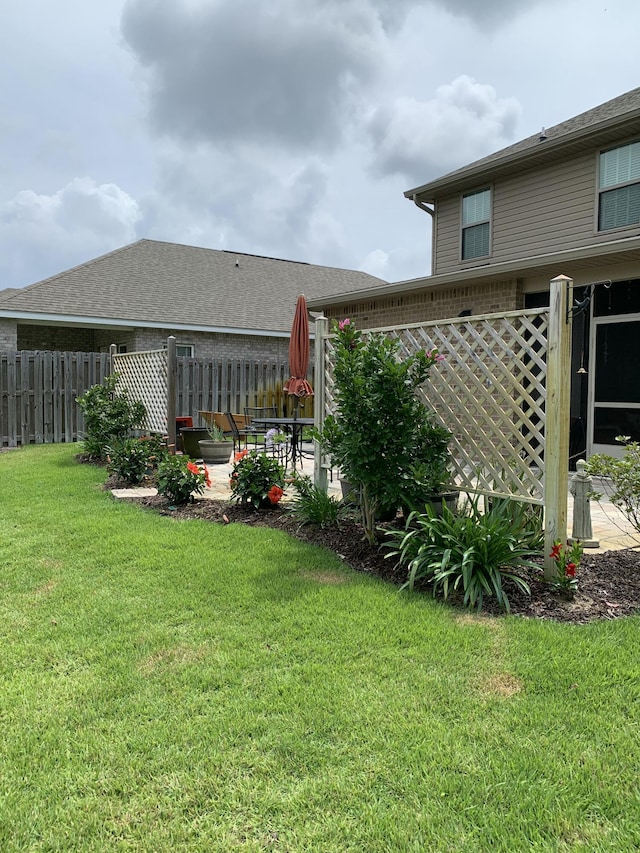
297, 384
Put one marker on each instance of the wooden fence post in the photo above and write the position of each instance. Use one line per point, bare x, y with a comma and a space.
556, 445
322, 329
172, 370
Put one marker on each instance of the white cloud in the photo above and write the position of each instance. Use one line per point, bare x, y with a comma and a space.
418, 139
44, 233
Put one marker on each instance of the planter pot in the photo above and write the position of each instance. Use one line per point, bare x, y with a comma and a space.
350, 493
215, 452
449, 499
189, 438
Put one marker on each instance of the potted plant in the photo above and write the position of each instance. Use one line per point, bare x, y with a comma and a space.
215, 450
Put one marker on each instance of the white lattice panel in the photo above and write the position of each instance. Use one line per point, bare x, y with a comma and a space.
144, 375
489, 391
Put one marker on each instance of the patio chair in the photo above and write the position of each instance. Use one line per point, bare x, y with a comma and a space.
251, 412
239, 431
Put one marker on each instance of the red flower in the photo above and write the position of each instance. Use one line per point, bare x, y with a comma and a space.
193, 468
555, 552
240, 455
274, 494
207, 478
571, 570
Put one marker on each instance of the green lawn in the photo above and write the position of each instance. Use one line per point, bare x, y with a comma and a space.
169, 686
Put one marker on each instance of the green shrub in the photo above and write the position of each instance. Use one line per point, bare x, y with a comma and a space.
624, 475
133, 458
109, 417
179, 479
257, 480
380, 427
471, 552
526, 521
312, 505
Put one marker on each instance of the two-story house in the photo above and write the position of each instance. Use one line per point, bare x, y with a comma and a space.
564, 201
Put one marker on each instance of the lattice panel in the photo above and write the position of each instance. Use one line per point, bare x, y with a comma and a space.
489, 391
144, 375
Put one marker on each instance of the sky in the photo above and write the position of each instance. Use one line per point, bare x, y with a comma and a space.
286, 128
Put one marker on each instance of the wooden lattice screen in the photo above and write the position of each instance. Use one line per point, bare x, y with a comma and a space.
489, 391
144, 375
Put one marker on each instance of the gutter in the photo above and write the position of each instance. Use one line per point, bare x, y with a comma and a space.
423, 206
41, 318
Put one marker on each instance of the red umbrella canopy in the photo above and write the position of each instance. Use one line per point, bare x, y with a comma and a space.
299, 352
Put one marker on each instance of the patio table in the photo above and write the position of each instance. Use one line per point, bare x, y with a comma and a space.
294, 426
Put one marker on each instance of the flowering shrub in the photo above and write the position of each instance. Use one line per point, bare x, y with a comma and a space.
567, 559
178, 480
381, 429
257, 480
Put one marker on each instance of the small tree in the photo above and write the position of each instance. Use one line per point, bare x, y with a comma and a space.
381, 428
109, 417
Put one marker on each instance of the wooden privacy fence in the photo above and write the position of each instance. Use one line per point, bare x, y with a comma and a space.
38, 393
38, 390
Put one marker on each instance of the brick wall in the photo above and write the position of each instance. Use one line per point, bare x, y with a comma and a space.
217, 345
432, 304
56, 339
8, 335
70, 339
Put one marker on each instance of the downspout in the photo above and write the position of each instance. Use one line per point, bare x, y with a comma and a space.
431, 212
422, 205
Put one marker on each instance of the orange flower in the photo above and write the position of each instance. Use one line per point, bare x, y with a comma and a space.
207, 478
193, 468
240, 455
274, 494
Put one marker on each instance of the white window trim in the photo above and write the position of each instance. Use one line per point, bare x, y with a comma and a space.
601, 190
473, 261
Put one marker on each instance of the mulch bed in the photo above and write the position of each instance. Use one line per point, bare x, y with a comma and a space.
608, 583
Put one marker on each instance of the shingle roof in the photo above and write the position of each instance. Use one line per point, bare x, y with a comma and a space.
151, 281
623, 109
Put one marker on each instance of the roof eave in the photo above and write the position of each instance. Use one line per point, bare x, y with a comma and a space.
480, 170
39, 318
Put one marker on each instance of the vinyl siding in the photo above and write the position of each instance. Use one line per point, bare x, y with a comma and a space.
534, 213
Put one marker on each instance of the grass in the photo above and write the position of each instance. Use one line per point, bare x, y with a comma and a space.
186, 686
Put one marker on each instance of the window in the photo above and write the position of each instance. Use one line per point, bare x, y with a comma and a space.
122, 348
476, 224
182, 349
619, 201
